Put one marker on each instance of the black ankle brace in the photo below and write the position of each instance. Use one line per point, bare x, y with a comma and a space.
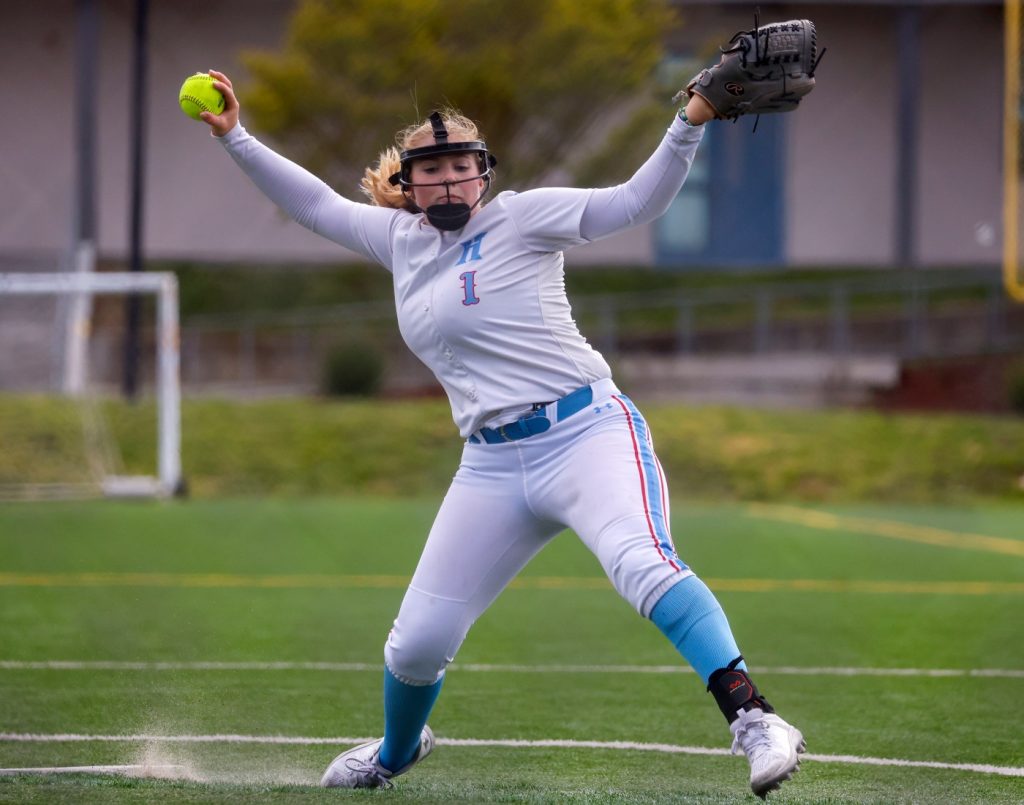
735, 691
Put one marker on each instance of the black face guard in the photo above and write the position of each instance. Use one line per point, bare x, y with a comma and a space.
448, 216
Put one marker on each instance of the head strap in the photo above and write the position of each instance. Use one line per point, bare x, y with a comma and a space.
441, 147
440, 132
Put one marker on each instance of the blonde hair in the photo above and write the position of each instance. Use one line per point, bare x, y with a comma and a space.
376, 183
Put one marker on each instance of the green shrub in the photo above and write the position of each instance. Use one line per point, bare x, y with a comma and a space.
353, 370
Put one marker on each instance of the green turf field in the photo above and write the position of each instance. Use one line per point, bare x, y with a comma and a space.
892, 633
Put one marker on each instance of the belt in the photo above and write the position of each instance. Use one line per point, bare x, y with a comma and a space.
540, 419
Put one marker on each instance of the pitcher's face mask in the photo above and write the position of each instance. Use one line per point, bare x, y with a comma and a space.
448, 215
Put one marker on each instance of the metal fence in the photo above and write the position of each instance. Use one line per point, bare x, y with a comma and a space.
908, 316
925, 314
922, 314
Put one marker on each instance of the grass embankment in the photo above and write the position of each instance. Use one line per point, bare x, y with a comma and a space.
309, 447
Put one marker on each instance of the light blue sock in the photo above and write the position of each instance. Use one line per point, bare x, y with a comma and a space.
690, 616
406, 708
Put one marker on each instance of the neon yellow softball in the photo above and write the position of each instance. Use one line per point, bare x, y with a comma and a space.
198, 95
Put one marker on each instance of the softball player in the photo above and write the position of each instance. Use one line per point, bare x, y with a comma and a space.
550, 441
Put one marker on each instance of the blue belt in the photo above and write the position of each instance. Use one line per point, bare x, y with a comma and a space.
537, 420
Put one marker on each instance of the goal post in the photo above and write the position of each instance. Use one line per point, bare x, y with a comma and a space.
1013, 168
167, 480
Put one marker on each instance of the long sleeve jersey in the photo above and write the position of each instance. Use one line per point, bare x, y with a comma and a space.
484, 307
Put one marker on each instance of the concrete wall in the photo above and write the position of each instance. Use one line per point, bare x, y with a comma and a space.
197, 204
960, 164
841, 152
841, 169
842, 148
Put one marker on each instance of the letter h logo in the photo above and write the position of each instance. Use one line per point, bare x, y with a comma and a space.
471, 249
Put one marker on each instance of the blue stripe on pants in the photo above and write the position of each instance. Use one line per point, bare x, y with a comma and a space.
652, 483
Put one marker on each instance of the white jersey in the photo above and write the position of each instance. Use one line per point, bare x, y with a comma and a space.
485, 307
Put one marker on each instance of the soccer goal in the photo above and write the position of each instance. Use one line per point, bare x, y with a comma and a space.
61, 357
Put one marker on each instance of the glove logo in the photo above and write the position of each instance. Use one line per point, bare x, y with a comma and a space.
733, 88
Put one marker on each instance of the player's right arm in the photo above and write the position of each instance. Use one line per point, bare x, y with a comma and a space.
304, 197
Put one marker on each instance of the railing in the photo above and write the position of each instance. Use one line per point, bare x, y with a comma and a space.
910, 316
918, 315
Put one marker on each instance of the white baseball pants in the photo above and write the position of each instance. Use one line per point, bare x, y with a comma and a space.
595, 472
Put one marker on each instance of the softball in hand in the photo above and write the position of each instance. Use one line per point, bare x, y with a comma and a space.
198, 95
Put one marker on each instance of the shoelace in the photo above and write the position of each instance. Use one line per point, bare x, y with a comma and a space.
758, 732
369, 772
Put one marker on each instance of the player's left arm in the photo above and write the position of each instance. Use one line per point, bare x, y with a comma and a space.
647, 194
556, 218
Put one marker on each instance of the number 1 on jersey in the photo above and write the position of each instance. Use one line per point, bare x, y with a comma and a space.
469, 296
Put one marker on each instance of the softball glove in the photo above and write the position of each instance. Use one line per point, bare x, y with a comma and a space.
768, 69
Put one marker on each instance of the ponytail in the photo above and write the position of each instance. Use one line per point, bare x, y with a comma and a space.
376, 183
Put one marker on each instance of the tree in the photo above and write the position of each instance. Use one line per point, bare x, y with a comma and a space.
554, 84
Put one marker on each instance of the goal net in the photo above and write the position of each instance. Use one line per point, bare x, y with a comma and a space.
1013, 150
65, 432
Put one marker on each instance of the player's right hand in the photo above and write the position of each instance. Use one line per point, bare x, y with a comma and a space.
223, 123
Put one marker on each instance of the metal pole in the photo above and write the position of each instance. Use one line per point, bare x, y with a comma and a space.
169, 388
840, 320
130, 379
87, 27
83, 216
908, 71
1013, 279
763, 321
684, 328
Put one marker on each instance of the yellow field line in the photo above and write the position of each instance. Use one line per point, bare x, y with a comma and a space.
887, 528
859, 586
227, 580
224, 581
215, 580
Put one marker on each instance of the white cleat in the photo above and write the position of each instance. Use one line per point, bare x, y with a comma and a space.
772, 746
360, 767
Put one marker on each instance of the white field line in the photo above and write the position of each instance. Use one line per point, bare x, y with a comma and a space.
784, 670
980, 768
147, 771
